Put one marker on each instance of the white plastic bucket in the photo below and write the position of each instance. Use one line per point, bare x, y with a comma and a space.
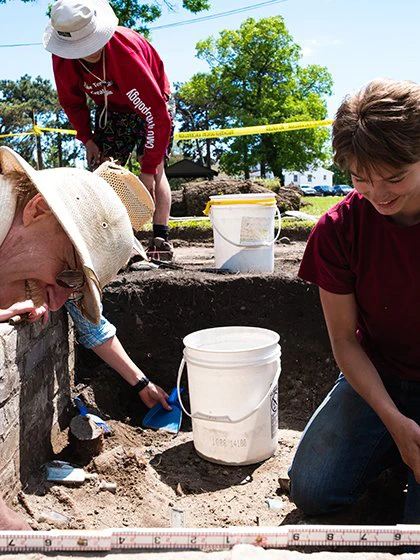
243, 231
233, 374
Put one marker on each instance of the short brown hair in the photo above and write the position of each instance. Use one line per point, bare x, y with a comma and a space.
379, 125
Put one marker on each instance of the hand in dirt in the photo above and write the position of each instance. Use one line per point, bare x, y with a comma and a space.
26, 308
407, 438
93, 154
11, 521
153, 394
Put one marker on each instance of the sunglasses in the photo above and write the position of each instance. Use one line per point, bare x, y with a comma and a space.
72, 279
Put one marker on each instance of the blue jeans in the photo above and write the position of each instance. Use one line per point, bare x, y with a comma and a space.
345, 446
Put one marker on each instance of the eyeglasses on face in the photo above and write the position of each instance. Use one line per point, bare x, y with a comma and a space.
72, 279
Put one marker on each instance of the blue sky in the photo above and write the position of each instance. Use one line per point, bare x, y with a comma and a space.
357, 40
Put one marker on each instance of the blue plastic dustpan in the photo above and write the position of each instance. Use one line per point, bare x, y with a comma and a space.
159, 418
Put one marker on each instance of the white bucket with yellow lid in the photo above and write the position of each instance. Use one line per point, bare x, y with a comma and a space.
243, 231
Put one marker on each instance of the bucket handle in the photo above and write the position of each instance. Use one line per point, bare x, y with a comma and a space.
265, 244
224, 419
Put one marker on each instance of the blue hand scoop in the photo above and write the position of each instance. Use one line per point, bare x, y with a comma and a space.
159, 418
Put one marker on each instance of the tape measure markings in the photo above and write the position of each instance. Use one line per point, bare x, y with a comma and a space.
197, 538
56, 540
363, 536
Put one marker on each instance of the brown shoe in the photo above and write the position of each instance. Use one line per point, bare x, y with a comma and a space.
160, 250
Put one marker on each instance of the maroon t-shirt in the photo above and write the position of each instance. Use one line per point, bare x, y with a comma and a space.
354, 249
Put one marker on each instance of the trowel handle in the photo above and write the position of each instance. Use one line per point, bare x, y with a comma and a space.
82, 409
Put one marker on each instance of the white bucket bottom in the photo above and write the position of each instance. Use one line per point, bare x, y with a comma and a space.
243, 231
233, 375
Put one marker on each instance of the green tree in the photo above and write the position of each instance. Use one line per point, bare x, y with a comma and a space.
196, 109
340, 177
256, 79
137, 16
26, 102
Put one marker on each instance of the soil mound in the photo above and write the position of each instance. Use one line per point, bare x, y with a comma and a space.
193, 197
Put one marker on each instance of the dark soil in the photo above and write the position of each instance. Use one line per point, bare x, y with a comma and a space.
154, 471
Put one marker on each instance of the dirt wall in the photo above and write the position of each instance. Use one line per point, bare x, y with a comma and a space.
153, 311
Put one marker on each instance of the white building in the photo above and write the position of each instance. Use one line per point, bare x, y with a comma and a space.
311, 177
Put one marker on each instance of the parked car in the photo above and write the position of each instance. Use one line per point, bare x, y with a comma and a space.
324, 190
342, 190
307, 190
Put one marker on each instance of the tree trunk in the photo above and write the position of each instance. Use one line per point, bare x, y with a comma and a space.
208, 152
60, 150
263, 169
200, 153
245, 162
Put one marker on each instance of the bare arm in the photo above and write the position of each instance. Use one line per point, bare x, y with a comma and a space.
113, 353
28, 308
340, 315
11, 521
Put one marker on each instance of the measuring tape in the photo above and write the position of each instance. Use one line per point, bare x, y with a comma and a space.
211, 539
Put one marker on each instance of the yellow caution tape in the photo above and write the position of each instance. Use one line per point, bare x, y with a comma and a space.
260, 201
246, 130
62, 130
223, 132
16, 134
38, 130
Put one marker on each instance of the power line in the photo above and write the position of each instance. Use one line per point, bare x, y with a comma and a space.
220, 14
184, 22
21, 45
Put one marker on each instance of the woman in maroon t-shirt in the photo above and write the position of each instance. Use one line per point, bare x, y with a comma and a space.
364, 256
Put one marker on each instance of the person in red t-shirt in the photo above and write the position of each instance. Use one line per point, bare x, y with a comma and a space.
125, 77
364, 256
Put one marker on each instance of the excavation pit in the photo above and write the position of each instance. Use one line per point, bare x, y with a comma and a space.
155, 472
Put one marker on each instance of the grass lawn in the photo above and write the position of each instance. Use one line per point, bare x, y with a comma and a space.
315, 205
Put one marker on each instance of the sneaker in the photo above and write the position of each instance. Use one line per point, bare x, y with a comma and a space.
160, 250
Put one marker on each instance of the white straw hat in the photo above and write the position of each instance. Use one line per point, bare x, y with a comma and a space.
93, 217
79, 28
133, 194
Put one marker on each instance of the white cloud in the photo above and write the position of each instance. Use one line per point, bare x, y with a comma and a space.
313, 46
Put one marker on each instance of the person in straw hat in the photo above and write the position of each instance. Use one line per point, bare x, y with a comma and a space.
64, 234
125, 77
101, 338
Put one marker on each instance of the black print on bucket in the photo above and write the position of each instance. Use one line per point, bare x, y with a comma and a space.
274, 401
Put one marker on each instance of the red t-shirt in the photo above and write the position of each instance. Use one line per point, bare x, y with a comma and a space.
135, 80
354, 249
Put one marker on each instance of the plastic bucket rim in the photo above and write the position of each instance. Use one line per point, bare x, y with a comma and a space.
275, 340
244, 196
228, 365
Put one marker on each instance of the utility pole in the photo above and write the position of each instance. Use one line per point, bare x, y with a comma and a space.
39, 164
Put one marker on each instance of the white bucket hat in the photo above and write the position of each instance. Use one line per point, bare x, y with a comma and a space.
93, 217
79, 28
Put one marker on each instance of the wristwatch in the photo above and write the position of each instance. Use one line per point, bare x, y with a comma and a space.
140, 385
